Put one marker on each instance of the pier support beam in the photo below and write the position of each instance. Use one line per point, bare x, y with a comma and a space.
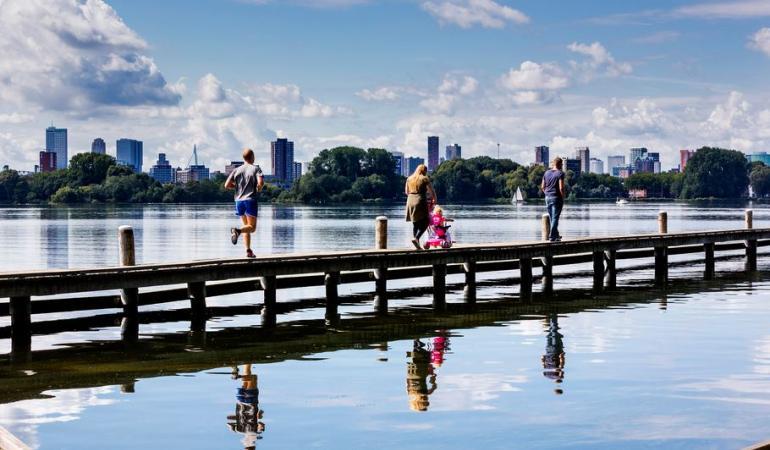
381, 274
21, 325
525, 271
331, 282
710, 270
661, 266
196, 292
469, 267
547, 274
598, 284
545, 229
129, 297
268, 285
439, 287
611, 272
751, 244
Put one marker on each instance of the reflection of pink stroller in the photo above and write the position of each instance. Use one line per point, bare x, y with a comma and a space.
438, 230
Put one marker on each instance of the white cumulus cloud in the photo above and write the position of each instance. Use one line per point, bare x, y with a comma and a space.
384, 93
600, 61
452, 90
761, 41
468, 13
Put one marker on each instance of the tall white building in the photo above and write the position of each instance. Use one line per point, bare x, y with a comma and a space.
596, 165
584, 155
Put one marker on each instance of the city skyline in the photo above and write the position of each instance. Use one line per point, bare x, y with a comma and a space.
605, 76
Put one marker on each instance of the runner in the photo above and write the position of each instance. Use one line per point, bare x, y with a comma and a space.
247, 181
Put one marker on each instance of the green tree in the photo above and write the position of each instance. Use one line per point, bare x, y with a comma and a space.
89, 168
13, 187
760, 180
716, 172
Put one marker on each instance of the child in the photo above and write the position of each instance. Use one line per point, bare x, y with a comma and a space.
439, 230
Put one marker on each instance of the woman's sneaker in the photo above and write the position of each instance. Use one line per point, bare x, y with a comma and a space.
416, 244
234, 233
250, 254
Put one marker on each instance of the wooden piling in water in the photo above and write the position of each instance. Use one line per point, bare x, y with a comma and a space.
545, 229
469, 267
331, 283
268, 285
129, 297
381, 274
525, 279
196, 292
547, 279
21, 324
661, 266
439, 287
598, 284
709, 272
751, 244
611, 272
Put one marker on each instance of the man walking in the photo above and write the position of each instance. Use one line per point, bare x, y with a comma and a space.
553, 188
247, 181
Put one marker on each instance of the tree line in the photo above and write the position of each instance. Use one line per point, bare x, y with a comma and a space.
354, 175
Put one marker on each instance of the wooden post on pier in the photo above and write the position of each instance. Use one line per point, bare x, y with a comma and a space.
598, 284
21, 325
269, 286
331, 282
709, 271
129, 297
381, 274
663, 222
611, 272
525, 279
751, 244
545, 230
469, 267
439, 287
196, 292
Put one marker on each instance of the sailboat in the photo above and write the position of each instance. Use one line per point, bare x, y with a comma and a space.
518, 197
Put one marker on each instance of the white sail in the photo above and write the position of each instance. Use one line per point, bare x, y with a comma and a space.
519, 195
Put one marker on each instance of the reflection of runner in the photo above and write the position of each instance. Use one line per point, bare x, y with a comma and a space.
421, 371
553, 359
248, 417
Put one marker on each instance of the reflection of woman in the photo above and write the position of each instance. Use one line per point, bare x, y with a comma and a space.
419, 373
417, 188
248, 417
553, 359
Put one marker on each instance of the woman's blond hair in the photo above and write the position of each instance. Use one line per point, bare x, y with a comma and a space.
411, 182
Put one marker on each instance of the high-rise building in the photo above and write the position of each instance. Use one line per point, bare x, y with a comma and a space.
615, 161
644, 165
398, 159
656, 167
655, 156
575, 165
596, 165
47, 161
130, 153
230, 168
162, 170
684, 157
636, 153
584, 155
98, 146
411, 164
541, 155
453, 152
296, 170
56, 142
193, 173
762, 157
282, 159
433, 158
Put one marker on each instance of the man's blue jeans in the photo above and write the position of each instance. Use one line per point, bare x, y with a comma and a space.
554, 205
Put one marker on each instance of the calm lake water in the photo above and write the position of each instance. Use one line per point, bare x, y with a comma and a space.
688, 368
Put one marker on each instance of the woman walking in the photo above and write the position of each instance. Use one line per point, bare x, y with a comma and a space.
417, 189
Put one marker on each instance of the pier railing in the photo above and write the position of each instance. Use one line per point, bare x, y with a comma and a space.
209, 278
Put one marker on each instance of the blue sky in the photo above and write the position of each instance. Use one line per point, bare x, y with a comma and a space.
225, 74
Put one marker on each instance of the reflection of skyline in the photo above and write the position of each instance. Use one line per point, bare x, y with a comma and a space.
54, 237
283, 229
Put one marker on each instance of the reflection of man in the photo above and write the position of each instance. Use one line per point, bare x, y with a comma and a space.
553, 360
248, 417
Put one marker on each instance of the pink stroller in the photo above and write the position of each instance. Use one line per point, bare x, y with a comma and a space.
438, 230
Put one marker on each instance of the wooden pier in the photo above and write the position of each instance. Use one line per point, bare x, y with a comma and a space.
200, 280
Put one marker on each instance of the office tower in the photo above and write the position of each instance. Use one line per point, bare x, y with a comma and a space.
411, 164
541, 155
297, 170
47, 161
584, 155
637, 153
656, 167
56, 142
575, 165
684, 157
596, 165
230, 168
398, 159
655, 156
129, 153
433, 152
453, 152
98, 146
282, 159
162, 170
614, 161
644, 165
193, 173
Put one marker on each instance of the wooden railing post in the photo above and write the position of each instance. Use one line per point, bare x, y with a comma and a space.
196, 292
598, 284
331, 282
547, 274
469, 267
525, 277
709, 272
21, 324
751, 244
439, 287
611, 273
545, 230
269, 285
129, 297
663, 222
381, 274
